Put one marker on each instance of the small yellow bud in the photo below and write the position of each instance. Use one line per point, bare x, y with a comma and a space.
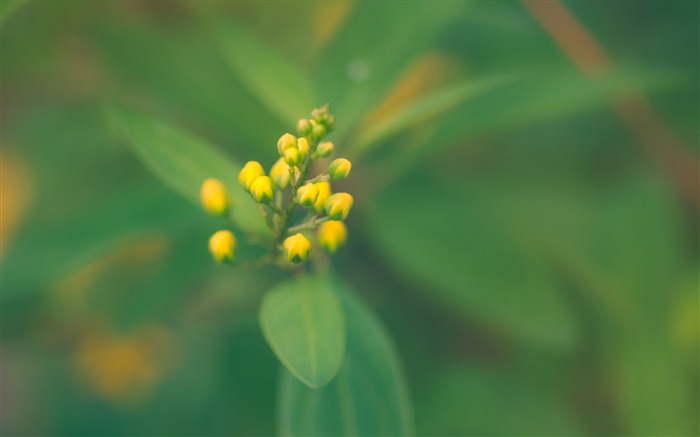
222, 246
318, 130
250, 172
214, 197
286, 141
324, 149
304, 127
292, 157
261, 189
324, 191
279, 173
307, 194
332, 235
339, 169
297, 247
338, 206
303, 146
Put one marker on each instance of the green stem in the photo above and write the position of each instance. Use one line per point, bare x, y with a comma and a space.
311, 224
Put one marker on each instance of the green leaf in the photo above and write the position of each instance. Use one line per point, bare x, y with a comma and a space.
279, 84
304, 324
453, 239
183, 162
7, 7
368, 397
148, 60
429, 106
534, 100
392, 36
530, 401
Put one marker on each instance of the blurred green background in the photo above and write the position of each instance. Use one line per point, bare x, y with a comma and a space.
525, 223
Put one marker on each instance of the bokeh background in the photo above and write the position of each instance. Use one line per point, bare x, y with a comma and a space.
525, 224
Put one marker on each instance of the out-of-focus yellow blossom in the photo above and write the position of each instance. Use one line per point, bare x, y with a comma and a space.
339, 169
324, 149
249, 173
338, 206
279, 173
286, 141
324, 191
214, 196
332, 235
222, 246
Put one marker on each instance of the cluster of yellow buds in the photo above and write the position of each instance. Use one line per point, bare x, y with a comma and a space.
287, 186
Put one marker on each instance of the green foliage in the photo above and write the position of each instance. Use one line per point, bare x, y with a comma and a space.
304, 324
472, 253
183, 162
276, 82
369, 395
536, 266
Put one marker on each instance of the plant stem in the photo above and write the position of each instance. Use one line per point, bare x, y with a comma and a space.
311, 224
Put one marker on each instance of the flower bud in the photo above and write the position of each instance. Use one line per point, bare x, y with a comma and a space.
214, 197
250, 172
318, 131
303, 127
338, 206
324, 149
324, 191
286, 141
332, 235
339, 169
303, 147
279, 173
297, 247
222, 246
261, 189
292, 157
307, 194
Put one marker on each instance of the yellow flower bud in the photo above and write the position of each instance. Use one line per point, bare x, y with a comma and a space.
261, 189
307, 194
214, 197
250, 172
292, 157
339, 169
222, 246
303, 127
279, 173
338, 206
332, 235
318, 131
303, 146
324, 191
297, 247
286, 141
324, 149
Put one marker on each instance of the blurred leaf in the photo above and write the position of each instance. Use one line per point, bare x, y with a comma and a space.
534, 99
52, 252
357, 68
429, 106
277, 83
200, 88
484, 401
453, 239
183, 162
303, 322
368, 397
7, 7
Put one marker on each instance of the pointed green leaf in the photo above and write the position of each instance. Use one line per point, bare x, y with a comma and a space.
183, 162
469, 256
429, 106
304, 324
368, 397
279, 84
